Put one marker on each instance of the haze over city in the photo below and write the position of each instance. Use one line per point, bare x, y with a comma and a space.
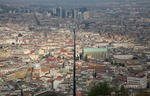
74, 47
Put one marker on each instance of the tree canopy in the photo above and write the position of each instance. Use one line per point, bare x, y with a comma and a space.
101, 89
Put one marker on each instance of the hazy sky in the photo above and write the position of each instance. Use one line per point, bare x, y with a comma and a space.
63, 2
56, 1
59, 1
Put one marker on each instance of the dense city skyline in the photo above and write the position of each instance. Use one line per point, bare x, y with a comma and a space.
43, 43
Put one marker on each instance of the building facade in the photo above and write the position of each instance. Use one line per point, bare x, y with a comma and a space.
95, 53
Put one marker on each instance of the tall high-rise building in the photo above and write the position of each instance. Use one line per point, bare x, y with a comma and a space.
54, 11
75, 14
86, 15
58, 12
72, 12
62, 13
69, 14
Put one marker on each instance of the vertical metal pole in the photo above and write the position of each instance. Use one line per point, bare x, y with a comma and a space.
22, 92
74, 66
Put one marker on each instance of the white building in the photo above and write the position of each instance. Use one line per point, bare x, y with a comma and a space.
136, 82
10, 41
123, 57
122, 44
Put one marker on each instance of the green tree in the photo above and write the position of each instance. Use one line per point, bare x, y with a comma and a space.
86, 58
142, 93
123, 91
101, 89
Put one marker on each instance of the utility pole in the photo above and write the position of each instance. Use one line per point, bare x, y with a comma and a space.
74, 66
22, 92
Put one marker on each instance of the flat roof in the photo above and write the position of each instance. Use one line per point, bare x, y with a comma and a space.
95, 49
